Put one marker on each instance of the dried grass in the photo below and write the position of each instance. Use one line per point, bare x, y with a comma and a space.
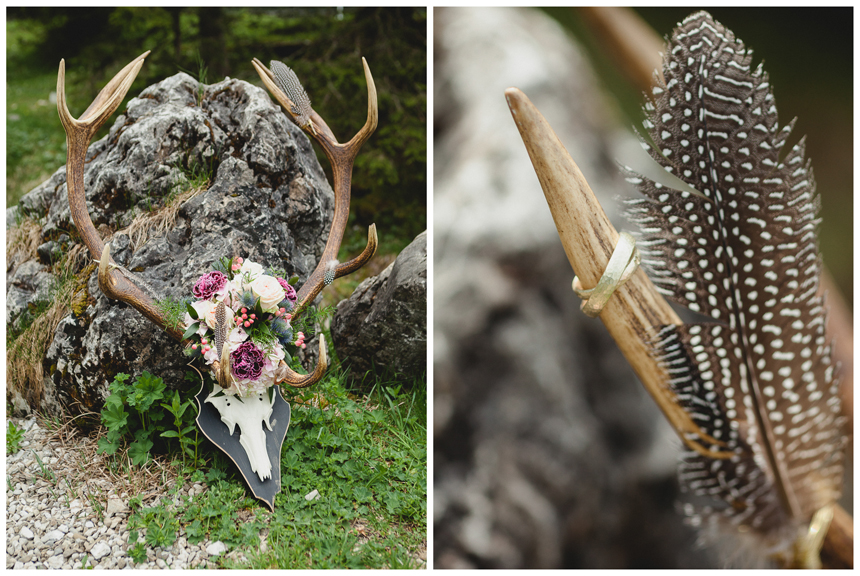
150, 480
22, 241
86, 472
24, 373
160, 221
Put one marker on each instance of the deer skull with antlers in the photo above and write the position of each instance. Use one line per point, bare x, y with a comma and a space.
118, 284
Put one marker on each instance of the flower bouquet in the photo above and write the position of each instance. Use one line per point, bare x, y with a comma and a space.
257, 306
240, 318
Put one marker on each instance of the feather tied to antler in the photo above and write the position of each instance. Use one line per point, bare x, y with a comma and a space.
287, 81
738, 244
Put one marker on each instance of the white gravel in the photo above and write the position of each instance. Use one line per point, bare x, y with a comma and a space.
51, 523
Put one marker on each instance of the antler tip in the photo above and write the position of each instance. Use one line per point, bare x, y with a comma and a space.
106, 281
372, 105
258, 66
515, 99
323, 353
61, 88
372, 238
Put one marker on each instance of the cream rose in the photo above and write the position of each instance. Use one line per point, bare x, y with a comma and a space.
250, 270
269, 291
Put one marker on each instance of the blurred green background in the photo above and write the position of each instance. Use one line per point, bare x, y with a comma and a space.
808, 54
323, 45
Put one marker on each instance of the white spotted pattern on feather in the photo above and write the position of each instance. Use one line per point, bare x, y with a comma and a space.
743, 250
289, 83
221, 329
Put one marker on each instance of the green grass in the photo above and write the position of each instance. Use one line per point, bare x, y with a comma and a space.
366, 456
35, 141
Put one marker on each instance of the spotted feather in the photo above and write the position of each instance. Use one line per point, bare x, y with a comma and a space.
738, 244
289, 83
221, 328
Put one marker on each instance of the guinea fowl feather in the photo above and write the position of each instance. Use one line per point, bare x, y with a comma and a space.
221, 329
738, 244
289, 83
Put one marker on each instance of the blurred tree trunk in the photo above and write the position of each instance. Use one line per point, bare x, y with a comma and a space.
213, 23
175, 14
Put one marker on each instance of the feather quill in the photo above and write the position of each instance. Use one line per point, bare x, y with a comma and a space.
738, 244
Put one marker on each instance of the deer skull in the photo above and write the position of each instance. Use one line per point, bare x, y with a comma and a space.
250, 413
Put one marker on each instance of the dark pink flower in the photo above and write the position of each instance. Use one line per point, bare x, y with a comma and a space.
290, 291
209, 284
247, 361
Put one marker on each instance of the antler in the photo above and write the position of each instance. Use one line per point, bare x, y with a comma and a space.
341, 157
114, 282
79, 132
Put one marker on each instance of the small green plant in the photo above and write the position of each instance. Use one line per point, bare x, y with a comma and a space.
14, 435
137, 552
161, 525
135, 502
202, 70
187, 445
141, 395
146, 424
96, 506
194, 532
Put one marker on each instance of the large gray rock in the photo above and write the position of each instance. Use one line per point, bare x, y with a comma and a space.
268, 200
384, 323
